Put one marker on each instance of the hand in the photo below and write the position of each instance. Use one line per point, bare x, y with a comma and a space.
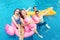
29, 7
51, 7
40, 36
24, 8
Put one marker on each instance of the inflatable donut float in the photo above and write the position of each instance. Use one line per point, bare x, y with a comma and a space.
11, 30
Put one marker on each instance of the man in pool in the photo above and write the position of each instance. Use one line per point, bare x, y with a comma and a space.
35, 9
41, 22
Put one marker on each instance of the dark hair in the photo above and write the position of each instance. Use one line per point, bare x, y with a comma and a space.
16, 9
34, 6
21, 14
36, 11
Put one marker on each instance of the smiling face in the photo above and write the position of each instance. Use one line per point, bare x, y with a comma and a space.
23, 12
37, 12
17, 11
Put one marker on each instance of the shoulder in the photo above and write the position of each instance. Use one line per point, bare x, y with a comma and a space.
13, 16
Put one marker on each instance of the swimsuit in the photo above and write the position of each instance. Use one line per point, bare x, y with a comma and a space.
18, 21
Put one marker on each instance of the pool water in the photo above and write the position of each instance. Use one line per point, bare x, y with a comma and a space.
7, 8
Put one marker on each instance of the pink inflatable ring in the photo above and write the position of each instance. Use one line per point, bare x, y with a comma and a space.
11, 30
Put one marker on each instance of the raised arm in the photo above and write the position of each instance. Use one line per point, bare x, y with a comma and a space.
28, 9
44, 13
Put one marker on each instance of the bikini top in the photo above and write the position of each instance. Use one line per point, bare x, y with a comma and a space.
18, 21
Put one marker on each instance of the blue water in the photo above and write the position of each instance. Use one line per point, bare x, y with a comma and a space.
7, 8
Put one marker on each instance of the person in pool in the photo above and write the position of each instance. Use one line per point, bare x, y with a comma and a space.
29, 21
41, 22
35, 9
18, 22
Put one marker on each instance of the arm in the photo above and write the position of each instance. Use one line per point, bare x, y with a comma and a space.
45, 13
22, 22
28, 9
31, 21
14, 22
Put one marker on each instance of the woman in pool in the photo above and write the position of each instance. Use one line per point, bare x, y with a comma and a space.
17, 21
41, 22
28, 22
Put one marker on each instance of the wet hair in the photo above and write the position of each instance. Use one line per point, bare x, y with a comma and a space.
16, 9
34, 6
36, 12
21, 14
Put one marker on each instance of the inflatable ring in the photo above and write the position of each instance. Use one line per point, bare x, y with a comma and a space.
11, 30
27, 32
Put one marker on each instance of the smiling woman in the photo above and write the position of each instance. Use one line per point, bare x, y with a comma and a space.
8, 6
6, 11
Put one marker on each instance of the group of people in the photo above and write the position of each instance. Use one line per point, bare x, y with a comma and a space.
19, 19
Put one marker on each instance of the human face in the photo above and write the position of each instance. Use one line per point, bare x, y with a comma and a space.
17, 11
37, 13
23, 12
35, 9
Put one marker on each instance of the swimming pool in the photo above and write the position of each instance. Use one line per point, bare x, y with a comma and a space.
7, 8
